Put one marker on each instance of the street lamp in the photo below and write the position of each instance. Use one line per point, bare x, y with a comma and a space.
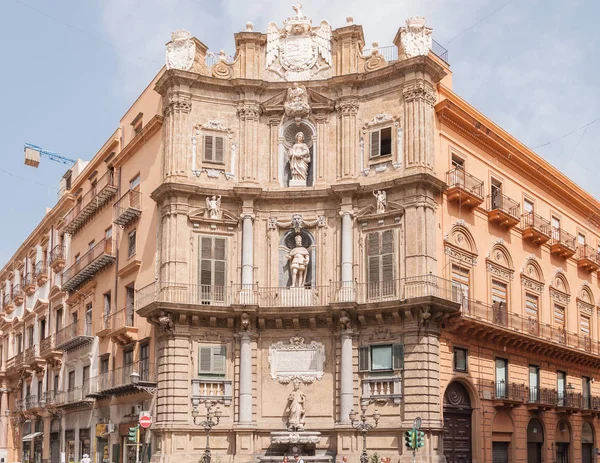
213, 416
134, 376
363, 427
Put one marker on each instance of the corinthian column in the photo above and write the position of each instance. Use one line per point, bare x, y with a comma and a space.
249, 114
419, 99
347, 138
176, 134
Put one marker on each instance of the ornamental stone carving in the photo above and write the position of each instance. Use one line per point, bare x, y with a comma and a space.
559, 296
297, 222
299, 258
499, 271
381, 200
299, 160
213, 206
296, 401
532, 284
248, 112
296, 102
415, 37
296, 360
177, 104
347, 107
181, 51
298, 51
419, 91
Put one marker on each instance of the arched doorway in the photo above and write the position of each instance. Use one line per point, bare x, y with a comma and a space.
535, 441
587, 443
562, 438
502, 431
457, 424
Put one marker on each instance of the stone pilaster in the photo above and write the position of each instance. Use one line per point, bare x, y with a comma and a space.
175, 240
173, 401
347, 138
249, 114
4, 422
420, 232
247, 249
419, 122
320, 173
346, 377
274, 150
177, 134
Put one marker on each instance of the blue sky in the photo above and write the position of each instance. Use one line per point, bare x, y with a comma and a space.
71, 68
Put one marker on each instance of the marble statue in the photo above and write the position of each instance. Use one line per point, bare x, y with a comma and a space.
296, 401
299, 158
381, 198
213, 206
296, 102
299, 258
181, 51
415, 37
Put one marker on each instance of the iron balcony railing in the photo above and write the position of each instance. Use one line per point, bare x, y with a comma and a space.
459, 178
47, 345
499, 315
119, 319
31, 353
28, 280
7, 299
40, 269
128, 207
390, 52
559, 236
509, 391
73, 395
569, 399
17, 292
72, 333
542, 395
101, 191
101, 255
503, 203
122, 377
58, 252
586, 252
532, 220
349, 291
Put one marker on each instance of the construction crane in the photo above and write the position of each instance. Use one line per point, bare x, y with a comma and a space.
33, 154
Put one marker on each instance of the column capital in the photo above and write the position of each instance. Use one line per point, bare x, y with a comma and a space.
249, 215
419, 90
347, 107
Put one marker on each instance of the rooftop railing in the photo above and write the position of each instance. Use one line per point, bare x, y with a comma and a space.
390, 52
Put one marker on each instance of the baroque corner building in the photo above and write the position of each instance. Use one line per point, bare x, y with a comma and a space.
292, 234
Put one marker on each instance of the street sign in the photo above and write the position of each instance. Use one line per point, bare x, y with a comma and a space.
417, 423
145, 420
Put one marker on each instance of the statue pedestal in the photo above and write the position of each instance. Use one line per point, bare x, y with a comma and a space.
297, 183
293, 297
291, 442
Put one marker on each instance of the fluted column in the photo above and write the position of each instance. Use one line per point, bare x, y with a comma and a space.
247, 249
176, 110
274, 149
347, 138
245, 387
249, 114
347, 244
320, 173
174, 240
346, 377
4, 420
419, 120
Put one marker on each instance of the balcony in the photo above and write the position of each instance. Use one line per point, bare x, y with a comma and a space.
92, 262
121, 381
75, 335
8, 304
179, 294
502, 210
541, 398
128, 208
121, 328
590, 406
211, 389
49, 351
562, 244
28, 284
40, 273
19, 361
74, 398
464, 189
102, 191
536, 229
33, 359
18, 295
382, 389
31, 402
58, 258
568, 402
503, 394
587, 258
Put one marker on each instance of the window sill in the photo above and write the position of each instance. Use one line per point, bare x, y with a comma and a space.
381, 159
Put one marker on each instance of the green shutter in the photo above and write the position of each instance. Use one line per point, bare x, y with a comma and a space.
219, 360
364, 361
208, 148
398, 356
375, 143
204, 360
219, 149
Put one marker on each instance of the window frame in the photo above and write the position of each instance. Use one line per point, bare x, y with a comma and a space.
214, 370
131, 238
214, 149
465, 352
378, 131
365, 363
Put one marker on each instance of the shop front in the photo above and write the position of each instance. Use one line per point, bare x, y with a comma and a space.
84, 442
70, 445
102, 438
131, 451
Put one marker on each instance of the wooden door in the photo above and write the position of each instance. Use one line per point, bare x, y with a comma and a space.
534, 452
457, 424
587, 453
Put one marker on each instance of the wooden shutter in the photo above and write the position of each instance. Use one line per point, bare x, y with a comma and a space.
208, 148
212, 360
364, 361
213, 254
375, 143
585, 325
205, 260
398, 356
531, 305
499, 292
373, 258
387, 255
559, 316
219, 262
204, 360
219, 148
219, 358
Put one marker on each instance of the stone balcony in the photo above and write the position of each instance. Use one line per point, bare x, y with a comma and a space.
588, 258
28, 284
536, 229
100, 194
562, 244
120, 326
18, 295
215, 389
92, 262
58, 258
40, 273
382, 389
49, 351
464, 189
8, 304
503, 211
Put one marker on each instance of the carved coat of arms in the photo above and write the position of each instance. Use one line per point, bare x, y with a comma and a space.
415, 37
181, 51
298, 46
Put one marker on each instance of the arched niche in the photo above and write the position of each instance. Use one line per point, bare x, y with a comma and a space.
535, 431
587, 433
563, 432
502, 427
287, 137
286, 244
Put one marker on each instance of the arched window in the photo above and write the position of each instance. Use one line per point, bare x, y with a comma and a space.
560, 295
500, 270
461, 251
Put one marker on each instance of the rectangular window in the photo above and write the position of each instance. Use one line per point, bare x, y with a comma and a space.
59, 320
107, 304
460, 359
527, 205
457, 162
128, 357
86, 378
559, 316
531, 306
561, 386
212, 269
71, 381
145, 362
460, 279
534, 383
42, 328
129, 305
212, 360
108, 233
384, 357
499, 293
501, 378
496, 191
91, 244
586, 391
581, 239
133, 184
30, 337
214, 148
585, 325
19, 343
104, 364
131, 239
380, 264
55, 386
381, 142
137, 124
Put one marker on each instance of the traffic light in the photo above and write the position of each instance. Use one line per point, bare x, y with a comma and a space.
133, 434
409, 439
420, 439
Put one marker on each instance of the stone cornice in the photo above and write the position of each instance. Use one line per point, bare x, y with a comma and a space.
466, 120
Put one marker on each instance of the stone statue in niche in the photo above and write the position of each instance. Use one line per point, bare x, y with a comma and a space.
296, 401
381, 198
299, 159
296, 103
213, 206
299, 258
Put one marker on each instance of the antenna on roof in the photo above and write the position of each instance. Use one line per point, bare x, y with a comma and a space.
33, 154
